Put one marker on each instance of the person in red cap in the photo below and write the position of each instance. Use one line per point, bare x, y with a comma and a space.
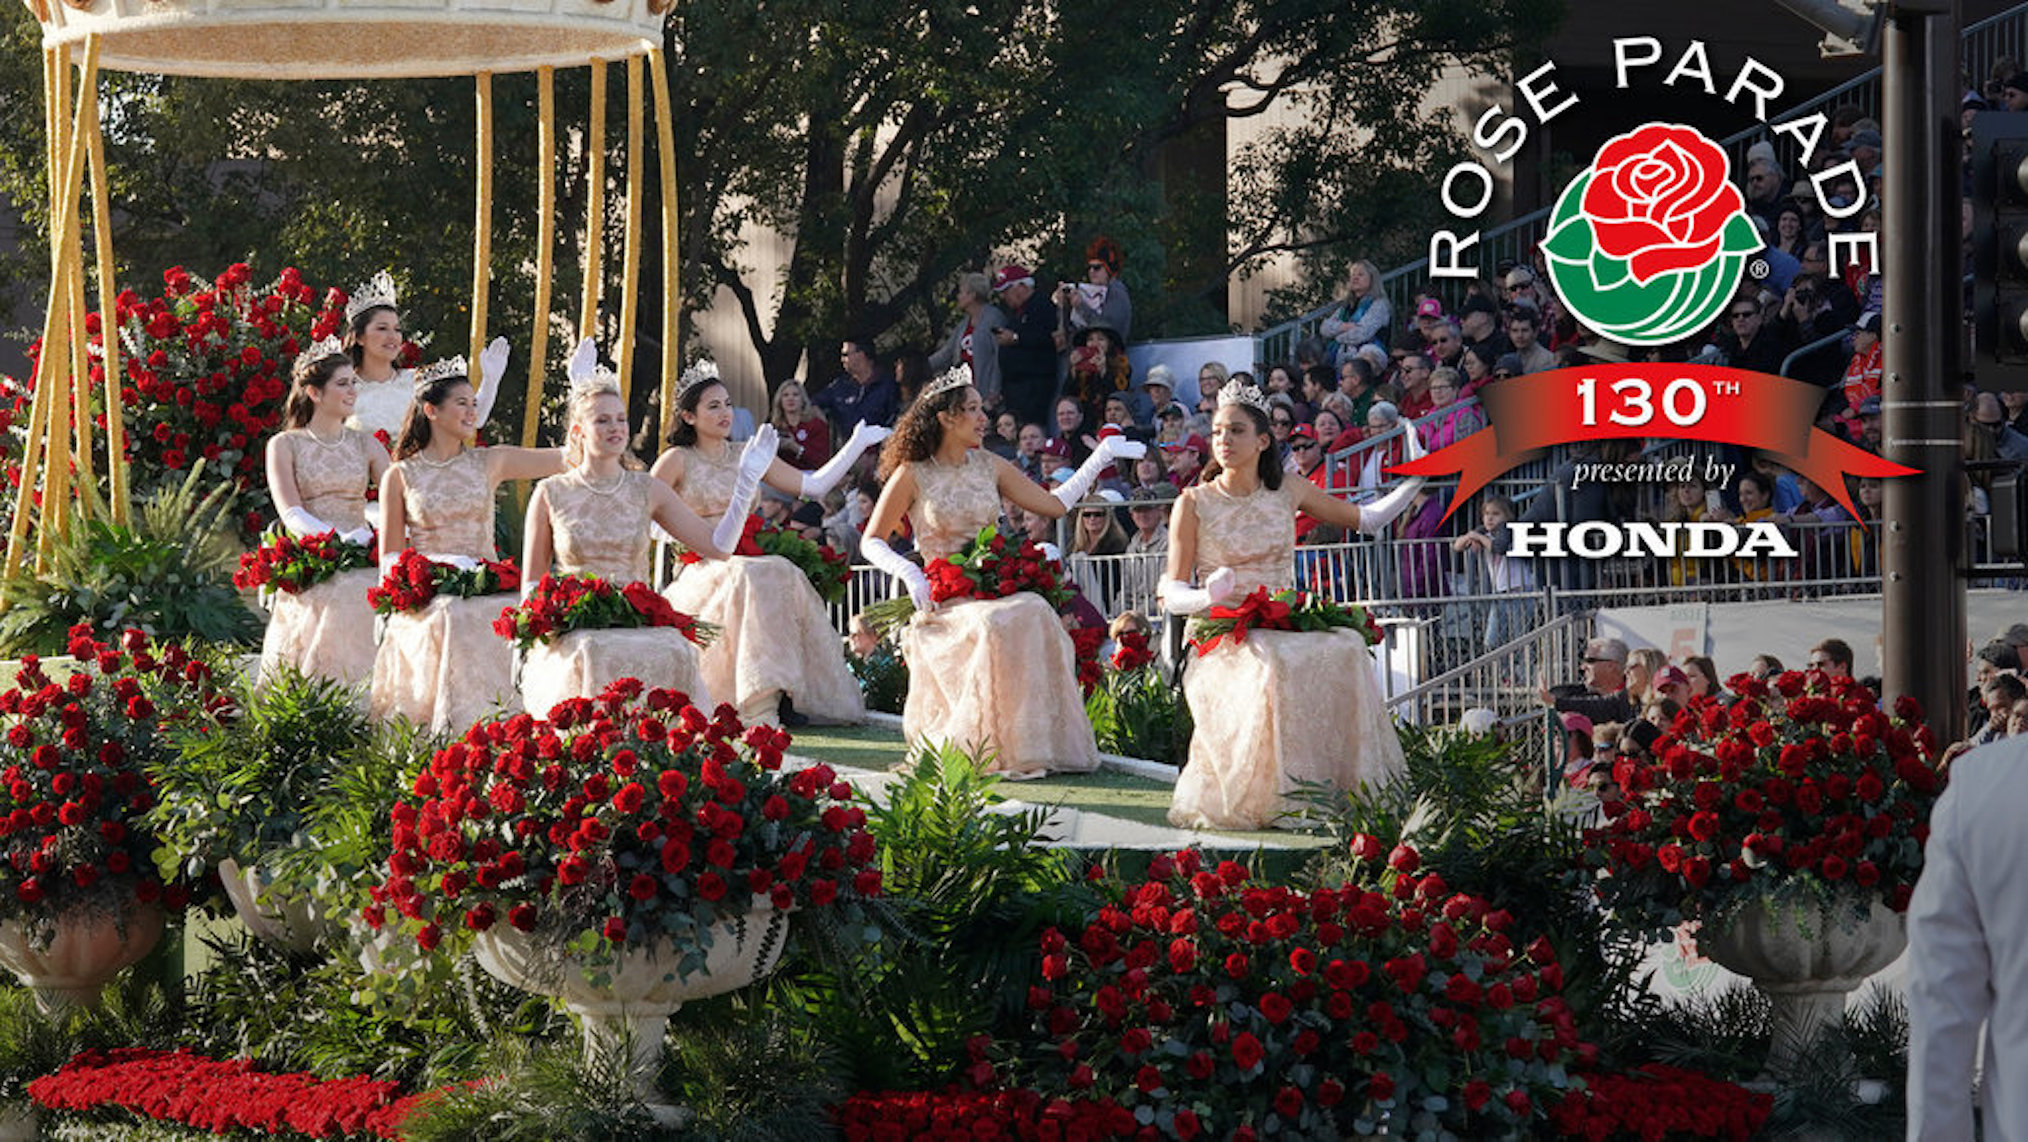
1186, 459
1027, 344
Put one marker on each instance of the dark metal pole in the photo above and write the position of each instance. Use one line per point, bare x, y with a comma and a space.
1923, 545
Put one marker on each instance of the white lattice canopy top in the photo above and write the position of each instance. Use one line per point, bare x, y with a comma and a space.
351, 39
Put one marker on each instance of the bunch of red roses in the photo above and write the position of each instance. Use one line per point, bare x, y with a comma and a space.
414, 580
295, 564
1215, 1005
633, 817
1659, 1101
1279, 610
827, 568
1130, 651
1803, 785
560, 604
224, 1095
989, 567
1085, 644
74, 784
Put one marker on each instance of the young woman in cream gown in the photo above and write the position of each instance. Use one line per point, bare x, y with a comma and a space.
594, 520
1280, 707
777, 658
991, 673
318, 474
443, 667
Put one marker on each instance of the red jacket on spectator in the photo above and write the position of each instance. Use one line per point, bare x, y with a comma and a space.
1862, 377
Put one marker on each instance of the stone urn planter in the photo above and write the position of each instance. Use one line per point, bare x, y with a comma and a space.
86, 950
293, 925
625, 1006
1806, 959
20, 1121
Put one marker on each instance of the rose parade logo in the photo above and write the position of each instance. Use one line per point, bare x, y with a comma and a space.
1647, 246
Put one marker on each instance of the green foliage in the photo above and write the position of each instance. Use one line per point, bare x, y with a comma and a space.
239, 783
170, 575
883, 678
1136, 713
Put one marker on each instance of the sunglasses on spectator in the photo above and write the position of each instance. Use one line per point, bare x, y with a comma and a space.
1743, 314
1095, 265
1591, 659
1502, 373
1283, 422
1303, 446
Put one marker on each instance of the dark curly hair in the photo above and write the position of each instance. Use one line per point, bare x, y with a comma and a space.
684, 434
918, 434
415, 426
356, 329
1270, 457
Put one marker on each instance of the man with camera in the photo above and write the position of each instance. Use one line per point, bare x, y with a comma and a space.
1807, 316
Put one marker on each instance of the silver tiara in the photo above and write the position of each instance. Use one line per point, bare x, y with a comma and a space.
375, 292
1243, 394
587, 373
955, 378
437, 370
702, 373
308, 358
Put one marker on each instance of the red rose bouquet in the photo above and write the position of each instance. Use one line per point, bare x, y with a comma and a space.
1279, 610
74, 775
987, 567
623, 819
561, 604
1131, 652
414, 580
1209, 1003
825, 566
1802, 786
295, 564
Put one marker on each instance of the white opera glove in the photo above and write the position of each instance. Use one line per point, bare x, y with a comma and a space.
387, 562
358, 536
818, 483
753, 463
461, 562
878, 553
1375, 516
1182, 599
492, 367
1073, 491
301, 522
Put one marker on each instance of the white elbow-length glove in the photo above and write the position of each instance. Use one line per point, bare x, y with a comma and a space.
878, 553
358, 536
1073, 491
816, 484
300, 522
1374, 517
492, 367
753, 462
1182, 599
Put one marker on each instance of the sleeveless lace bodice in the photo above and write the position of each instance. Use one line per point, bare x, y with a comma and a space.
331, 478
449, 506
707, 484
1254, 535
600, 530
382, 404
953, 502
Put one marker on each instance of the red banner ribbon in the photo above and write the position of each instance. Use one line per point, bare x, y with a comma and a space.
1641, 399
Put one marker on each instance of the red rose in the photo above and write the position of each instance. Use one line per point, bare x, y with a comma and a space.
1246, 1050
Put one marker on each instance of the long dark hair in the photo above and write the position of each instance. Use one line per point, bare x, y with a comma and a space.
415, 425
356, 329
684, 434
1270, 463
311, 373
918, 434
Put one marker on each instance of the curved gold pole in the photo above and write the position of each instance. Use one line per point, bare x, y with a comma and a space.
121, 508
672, 300
630, 264
545, 247
595, 201
482, 224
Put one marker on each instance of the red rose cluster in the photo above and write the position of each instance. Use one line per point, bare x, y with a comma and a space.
560, 604
827, 568
224, 1096
295, 564
74, 783
1215, 1003
1131, 652
1803, 782
989, 567
979, 1116
1659, 1101
413, 581
630, 816
1280, 610
1085, 644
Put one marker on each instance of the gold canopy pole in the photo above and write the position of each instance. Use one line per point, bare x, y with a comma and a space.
595, 201
672, 308
482, 225
630, 266
109, 328
545, 247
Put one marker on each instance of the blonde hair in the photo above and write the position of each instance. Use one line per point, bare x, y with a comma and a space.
581, 402
780, 419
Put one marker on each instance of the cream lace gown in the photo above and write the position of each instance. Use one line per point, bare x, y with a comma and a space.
1000, 672
603, 530
443, 667
328, 629
1281, 707
774, 635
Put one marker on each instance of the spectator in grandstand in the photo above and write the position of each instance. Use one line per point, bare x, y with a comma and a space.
1524, 323
864, 393
1805, 318
1766, 185
1116, 413
1642, 664
1791, 232
1429, 316
1522, 288
2017, 719
1027, 344
1005, 439
2000, 692
1746, 344
1989, 425
1413, 375
1602, 695
1703, 675
1102, 301
1149, 509
804, 434
1445, 345
1671, 684
1450, 421
1764, 666
1031, 452
1073, 441
1383, 418
971, 342
1833, 656
1475, 367
1318, 383
1154, 392
2015, 637
1492, 571
1172, 424
1479, 324
1363, 316
1565, 500
1186, 460
1861, 381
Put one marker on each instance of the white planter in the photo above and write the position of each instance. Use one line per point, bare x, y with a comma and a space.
625, 1009
1805, 974
88, 949
294, 924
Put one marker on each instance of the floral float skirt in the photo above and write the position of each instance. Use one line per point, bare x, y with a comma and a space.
326, 631
1280, 708
443, 667
998, 672
774, 638
583, 663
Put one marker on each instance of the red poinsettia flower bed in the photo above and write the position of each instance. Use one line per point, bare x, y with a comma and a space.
560, 604
1803, 785
414, 580
294, 564
224, 1095
1279, 610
